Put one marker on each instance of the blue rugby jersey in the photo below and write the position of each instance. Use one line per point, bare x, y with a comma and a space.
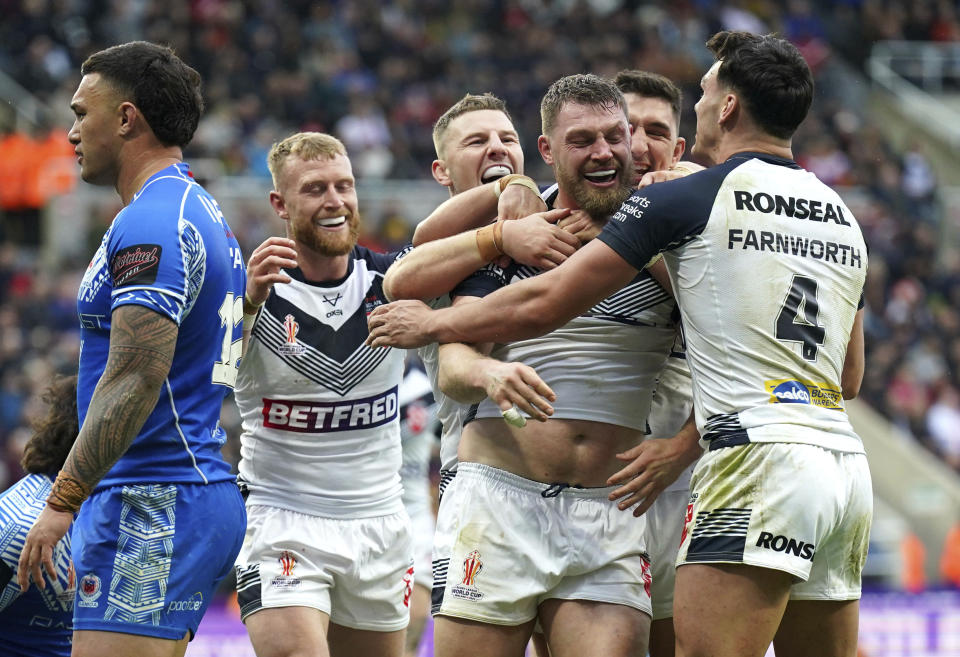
171, 251
38, 623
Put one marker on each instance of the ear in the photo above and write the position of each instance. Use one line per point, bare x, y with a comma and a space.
730, 109
678, 150
276, 201
439, 171
543, 145
128, 114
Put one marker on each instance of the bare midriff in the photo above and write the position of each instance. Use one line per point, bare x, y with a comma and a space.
576, 452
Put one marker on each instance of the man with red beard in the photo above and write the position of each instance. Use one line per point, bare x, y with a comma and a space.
533, 535
326, 566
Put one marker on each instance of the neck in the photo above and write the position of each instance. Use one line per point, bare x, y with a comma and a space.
564, 200
319, 268
755, 143
137, 168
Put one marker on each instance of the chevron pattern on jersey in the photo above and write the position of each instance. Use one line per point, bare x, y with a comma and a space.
641, 293
720, 425
141, 568
324, 359
719, 534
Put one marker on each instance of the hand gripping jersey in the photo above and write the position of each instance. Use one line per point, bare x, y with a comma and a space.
38, 623
171, 251
601, 367
768, 266
321, 433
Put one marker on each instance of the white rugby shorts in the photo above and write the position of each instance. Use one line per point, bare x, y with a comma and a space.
798, 508
359, 571
515, 543
664, 526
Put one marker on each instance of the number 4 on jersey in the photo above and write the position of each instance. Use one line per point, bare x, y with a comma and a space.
797, 321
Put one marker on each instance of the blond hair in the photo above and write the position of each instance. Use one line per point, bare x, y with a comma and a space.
469, 103
306, 146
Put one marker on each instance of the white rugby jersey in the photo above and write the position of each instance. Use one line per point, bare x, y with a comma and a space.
671, 404
449, 411
320, 408
768, 266
601, 367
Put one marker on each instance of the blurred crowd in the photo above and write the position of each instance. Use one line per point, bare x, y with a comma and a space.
378, 73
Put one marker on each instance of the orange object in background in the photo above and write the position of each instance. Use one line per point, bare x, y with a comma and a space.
913, 555
950, 558
34, 170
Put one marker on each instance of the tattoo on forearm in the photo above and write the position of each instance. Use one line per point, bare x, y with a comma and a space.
141, 350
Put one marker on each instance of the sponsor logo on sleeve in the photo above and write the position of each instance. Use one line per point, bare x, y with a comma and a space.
794, 391
324, 417
136, 265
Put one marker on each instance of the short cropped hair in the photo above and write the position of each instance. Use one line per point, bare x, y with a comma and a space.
583, 89
651, 85
469, 103
769, 75
306, 146
54, 433
152, 77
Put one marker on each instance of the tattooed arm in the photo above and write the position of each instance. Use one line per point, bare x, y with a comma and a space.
142, 343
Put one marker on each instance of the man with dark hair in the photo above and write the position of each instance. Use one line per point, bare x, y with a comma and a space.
160, 517
38, 623
531, 487
768, 265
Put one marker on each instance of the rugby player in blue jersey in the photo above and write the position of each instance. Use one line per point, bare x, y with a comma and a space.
161, 305
38, 623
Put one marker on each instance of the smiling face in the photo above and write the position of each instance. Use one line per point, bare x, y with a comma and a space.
654, 144
478, 148
589, 150
97, 117
318, 200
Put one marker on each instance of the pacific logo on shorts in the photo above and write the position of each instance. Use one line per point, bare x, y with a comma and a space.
795, 391
194, 603
89, 590
467, 588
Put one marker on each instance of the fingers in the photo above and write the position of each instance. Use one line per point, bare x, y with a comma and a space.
36, 560
555, 215
23, 567
47, 554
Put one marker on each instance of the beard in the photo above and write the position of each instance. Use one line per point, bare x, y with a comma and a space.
598, 203
326, 243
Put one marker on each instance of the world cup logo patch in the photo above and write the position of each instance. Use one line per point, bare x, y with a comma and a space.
467, 588
287, 562
291, 347
286, 580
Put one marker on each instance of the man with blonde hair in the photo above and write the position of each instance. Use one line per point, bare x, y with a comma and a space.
326, 565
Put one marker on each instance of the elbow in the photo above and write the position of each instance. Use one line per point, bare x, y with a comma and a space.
850, 389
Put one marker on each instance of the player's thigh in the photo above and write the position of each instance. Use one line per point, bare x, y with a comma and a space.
94, 643
289, 632
349, 642
460, 637
419, 610
662, 638
728, 610
571, 629
826, 628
